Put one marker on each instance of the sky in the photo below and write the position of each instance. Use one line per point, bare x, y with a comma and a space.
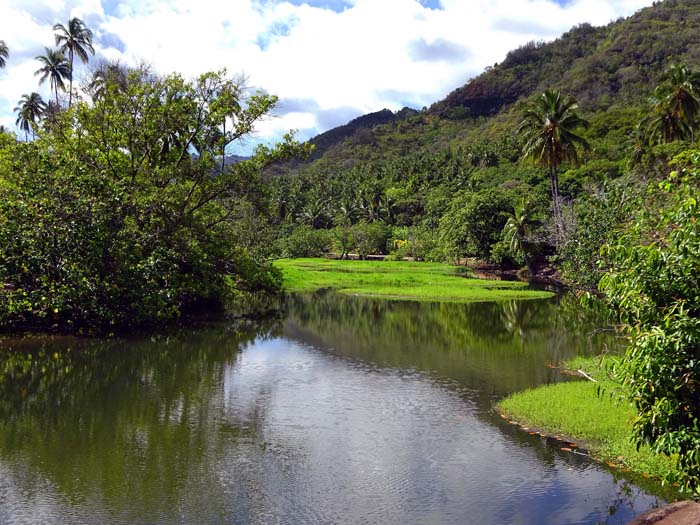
328, 61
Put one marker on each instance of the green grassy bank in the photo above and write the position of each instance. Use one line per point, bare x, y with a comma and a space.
598, 423
398, 280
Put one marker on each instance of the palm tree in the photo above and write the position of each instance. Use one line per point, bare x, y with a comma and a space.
107, 74
549, 127
517, 232
30, 109
76, 39
4, 53
55, 68
676, 105
638, 143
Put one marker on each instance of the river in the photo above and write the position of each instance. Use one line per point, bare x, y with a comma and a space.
343, 410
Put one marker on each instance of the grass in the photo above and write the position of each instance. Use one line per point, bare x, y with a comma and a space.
597, 422
398, 280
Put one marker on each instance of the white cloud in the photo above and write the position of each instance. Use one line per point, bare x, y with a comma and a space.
373, 54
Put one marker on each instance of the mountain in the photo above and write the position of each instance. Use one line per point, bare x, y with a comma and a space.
607, 69
353, 128
235, 159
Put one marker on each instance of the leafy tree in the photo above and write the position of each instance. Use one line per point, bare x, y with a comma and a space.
4, 53
304, 241
343, 240
30, 109
549, 128
369, 238
55, 68
76, 39
653, 285
474, 223
598, 218
122, 224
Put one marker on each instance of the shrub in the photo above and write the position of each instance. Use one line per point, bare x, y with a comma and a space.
304, 241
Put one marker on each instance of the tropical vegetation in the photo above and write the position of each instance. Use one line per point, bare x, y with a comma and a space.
124, 208
30, 110
55, 68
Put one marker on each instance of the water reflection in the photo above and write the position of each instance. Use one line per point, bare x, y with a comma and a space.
113, 423
351, 411
496, 348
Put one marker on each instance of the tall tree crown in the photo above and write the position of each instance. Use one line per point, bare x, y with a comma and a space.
74, 39
4, 53
55, 68
29, 109
549, 127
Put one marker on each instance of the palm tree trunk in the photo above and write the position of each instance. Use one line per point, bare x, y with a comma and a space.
554, 186
70, 93
554, 191
223, 150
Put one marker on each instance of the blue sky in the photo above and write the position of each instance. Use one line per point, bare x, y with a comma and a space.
328, 60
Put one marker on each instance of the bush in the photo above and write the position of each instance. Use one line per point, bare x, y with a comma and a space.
304, 241
418, 242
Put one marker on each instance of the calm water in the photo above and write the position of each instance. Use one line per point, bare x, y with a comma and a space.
346, 411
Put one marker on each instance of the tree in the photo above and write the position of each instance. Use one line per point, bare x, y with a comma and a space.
123, 224
518, 231
549, 128
474, 223
51, 114
76, 39
106, 73
653, 286
29, 109
4, 53
675, 105
55, 68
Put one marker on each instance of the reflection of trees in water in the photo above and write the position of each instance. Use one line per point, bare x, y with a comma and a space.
498, 346
134, 422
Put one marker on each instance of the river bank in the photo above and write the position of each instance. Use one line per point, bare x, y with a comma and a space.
588, 417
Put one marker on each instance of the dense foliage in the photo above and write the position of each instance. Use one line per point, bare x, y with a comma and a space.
654, 285
122, 213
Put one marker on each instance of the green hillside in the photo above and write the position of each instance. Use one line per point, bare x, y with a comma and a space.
441, 184
608, 68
